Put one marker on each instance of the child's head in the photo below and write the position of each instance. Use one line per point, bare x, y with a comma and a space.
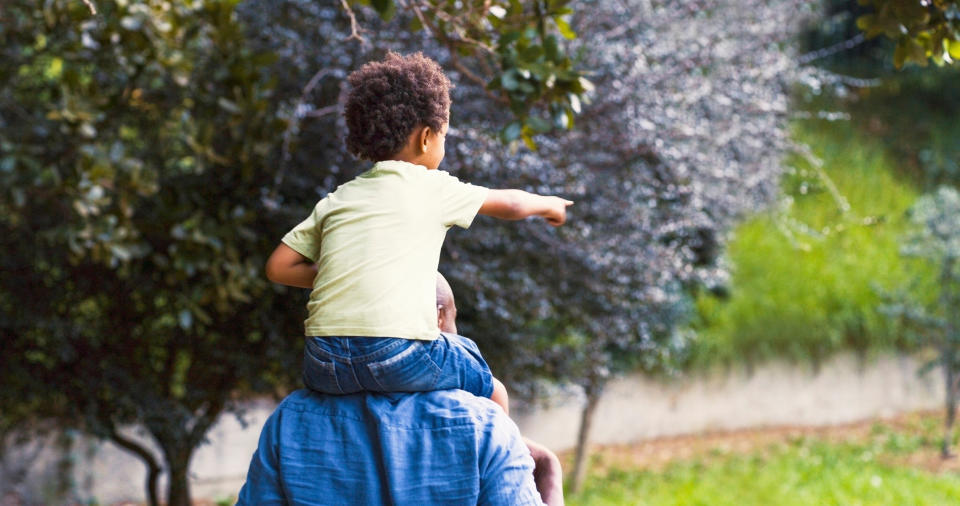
389, 99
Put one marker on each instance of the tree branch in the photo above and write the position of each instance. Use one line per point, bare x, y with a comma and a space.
153, 468
323, 111
850, 43
354, 27
294, 121
203, 421
93, 8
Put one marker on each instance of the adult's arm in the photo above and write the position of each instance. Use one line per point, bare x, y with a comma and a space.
506, 466
547, 473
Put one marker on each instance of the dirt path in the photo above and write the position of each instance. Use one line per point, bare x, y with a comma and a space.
657, 453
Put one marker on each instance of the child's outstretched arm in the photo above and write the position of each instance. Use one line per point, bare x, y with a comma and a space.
287, 267
518, 204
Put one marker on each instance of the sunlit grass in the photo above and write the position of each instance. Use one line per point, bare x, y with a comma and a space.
803, 471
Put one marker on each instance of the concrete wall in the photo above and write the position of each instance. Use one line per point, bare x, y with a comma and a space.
632, 409
844, 389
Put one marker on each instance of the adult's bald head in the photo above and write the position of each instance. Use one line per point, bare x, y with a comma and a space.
446, 306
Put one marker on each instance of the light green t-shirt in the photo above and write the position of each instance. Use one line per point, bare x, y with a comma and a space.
376, 241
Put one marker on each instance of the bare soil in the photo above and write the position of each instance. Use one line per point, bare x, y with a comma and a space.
655, 454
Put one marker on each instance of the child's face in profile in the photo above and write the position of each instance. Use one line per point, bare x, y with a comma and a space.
435, 151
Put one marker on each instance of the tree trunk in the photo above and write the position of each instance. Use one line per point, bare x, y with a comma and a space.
178, 440
951, 403
153, 468
586, 422
178, 490
951, 407
178, 466
948, 354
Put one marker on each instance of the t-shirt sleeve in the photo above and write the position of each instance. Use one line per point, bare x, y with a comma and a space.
305, 237
506, 467
459, 201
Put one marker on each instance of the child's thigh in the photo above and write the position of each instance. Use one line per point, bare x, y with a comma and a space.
461, 365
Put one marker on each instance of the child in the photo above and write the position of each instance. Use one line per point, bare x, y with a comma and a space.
370, 249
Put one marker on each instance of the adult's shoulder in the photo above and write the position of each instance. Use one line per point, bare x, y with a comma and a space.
441, 407
436, 409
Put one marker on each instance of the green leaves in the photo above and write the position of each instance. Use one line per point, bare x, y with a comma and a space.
565, 28
512, 131
538, 76
953, 48
923, 31
385, 8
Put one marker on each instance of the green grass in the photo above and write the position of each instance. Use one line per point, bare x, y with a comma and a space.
807, 279
801, 472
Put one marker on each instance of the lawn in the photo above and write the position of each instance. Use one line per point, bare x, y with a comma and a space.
884, 463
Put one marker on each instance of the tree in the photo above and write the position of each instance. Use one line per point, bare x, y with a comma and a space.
134, 149
936, 243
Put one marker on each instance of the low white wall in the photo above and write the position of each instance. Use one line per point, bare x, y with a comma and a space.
844, 389
631, 409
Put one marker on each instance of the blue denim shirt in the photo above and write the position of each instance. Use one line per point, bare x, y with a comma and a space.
440, 447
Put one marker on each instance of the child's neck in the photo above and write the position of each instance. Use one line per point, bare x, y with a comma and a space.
401, 157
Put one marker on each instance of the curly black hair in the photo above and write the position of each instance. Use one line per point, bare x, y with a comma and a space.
388, 99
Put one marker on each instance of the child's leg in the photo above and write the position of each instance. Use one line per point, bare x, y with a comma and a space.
462, 366
500, 396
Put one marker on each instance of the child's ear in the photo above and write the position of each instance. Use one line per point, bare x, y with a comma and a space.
423, 139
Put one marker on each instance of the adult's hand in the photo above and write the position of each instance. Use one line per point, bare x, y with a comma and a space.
547, 473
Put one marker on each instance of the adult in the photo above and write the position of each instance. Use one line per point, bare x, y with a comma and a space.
424, 448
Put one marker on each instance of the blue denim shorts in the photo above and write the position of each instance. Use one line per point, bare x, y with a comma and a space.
346, 365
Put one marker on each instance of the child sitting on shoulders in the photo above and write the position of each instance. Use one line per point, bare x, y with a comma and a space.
370, 249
